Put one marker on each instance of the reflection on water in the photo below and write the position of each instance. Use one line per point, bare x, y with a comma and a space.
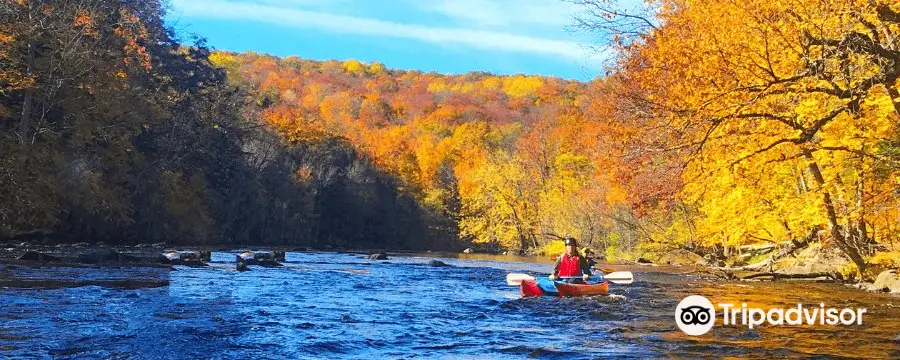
340, 305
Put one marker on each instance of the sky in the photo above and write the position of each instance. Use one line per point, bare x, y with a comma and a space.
445, 36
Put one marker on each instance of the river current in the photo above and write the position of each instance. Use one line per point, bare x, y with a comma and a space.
328, 305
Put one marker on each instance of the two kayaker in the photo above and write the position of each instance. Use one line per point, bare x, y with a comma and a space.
571, 264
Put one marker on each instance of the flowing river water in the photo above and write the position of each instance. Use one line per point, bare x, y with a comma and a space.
328, 305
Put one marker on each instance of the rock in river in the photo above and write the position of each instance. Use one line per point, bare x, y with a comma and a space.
378, 256
437, 263
103, 255
36, 256
887, 281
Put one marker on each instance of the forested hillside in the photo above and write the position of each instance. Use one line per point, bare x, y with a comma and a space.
719, 127
111, 130
512, 158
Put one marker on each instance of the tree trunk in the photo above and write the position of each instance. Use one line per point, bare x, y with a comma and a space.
895, 97
28, 98
861, 219
840, 238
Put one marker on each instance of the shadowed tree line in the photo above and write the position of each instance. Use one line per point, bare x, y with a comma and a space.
111, 130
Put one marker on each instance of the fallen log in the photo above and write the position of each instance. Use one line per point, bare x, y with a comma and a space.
758, 248
784, 249
783, 276
773, 276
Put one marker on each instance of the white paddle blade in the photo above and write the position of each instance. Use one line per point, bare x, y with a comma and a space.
620, 277
516, 279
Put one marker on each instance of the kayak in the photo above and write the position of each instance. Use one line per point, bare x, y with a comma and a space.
547, 287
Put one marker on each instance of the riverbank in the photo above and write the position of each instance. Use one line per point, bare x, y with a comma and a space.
814, 263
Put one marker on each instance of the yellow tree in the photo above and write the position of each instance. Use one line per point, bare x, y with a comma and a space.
499, 206
768, 95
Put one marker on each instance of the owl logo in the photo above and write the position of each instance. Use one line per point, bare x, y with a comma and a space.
695, 315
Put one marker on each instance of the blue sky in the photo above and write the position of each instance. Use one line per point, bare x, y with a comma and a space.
447, 36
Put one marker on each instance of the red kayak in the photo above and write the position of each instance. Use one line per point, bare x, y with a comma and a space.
545, 287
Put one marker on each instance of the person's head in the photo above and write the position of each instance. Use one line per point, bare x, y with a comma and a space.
588, 252
571, 246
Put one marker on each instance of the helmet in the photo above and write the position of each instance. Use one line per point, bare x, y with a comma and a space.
571, 241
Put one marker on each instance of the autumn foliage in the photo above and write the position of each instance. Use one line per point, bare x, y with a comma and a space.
512, 158
780, 116
718, 125
113, 131
721, 124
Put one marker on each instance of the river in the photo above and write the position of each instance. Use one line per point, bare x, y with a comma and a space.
328, 305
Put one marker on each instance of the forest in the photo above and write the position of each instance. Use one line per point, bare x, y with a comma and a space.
114, 131
718, 126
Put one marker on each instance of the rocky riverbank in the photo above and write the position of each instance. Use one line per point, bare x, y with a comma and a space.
813, 263
82, 252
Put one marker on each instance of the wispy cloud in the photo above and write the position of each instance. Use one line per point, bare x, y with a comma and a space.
503, 13
295, 14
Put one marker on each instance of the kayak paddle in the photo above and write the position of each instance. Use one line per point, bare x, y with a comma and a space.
617, 277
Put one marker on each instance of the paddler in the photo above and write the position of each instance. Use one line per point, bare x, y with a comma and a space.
589, 256
571, 264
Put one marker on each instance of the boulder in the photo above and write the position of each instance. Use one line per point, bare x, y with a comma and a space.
241, 266
189, 258
641, 260
262, 258
467, 251
164, 259
437, 263
128, 258
267, 258
887, 281
98, 256
36, 256
104, 255
378, 256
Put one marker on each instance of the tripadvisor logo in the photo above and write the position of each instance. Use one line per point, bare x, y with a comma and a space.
695, 315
